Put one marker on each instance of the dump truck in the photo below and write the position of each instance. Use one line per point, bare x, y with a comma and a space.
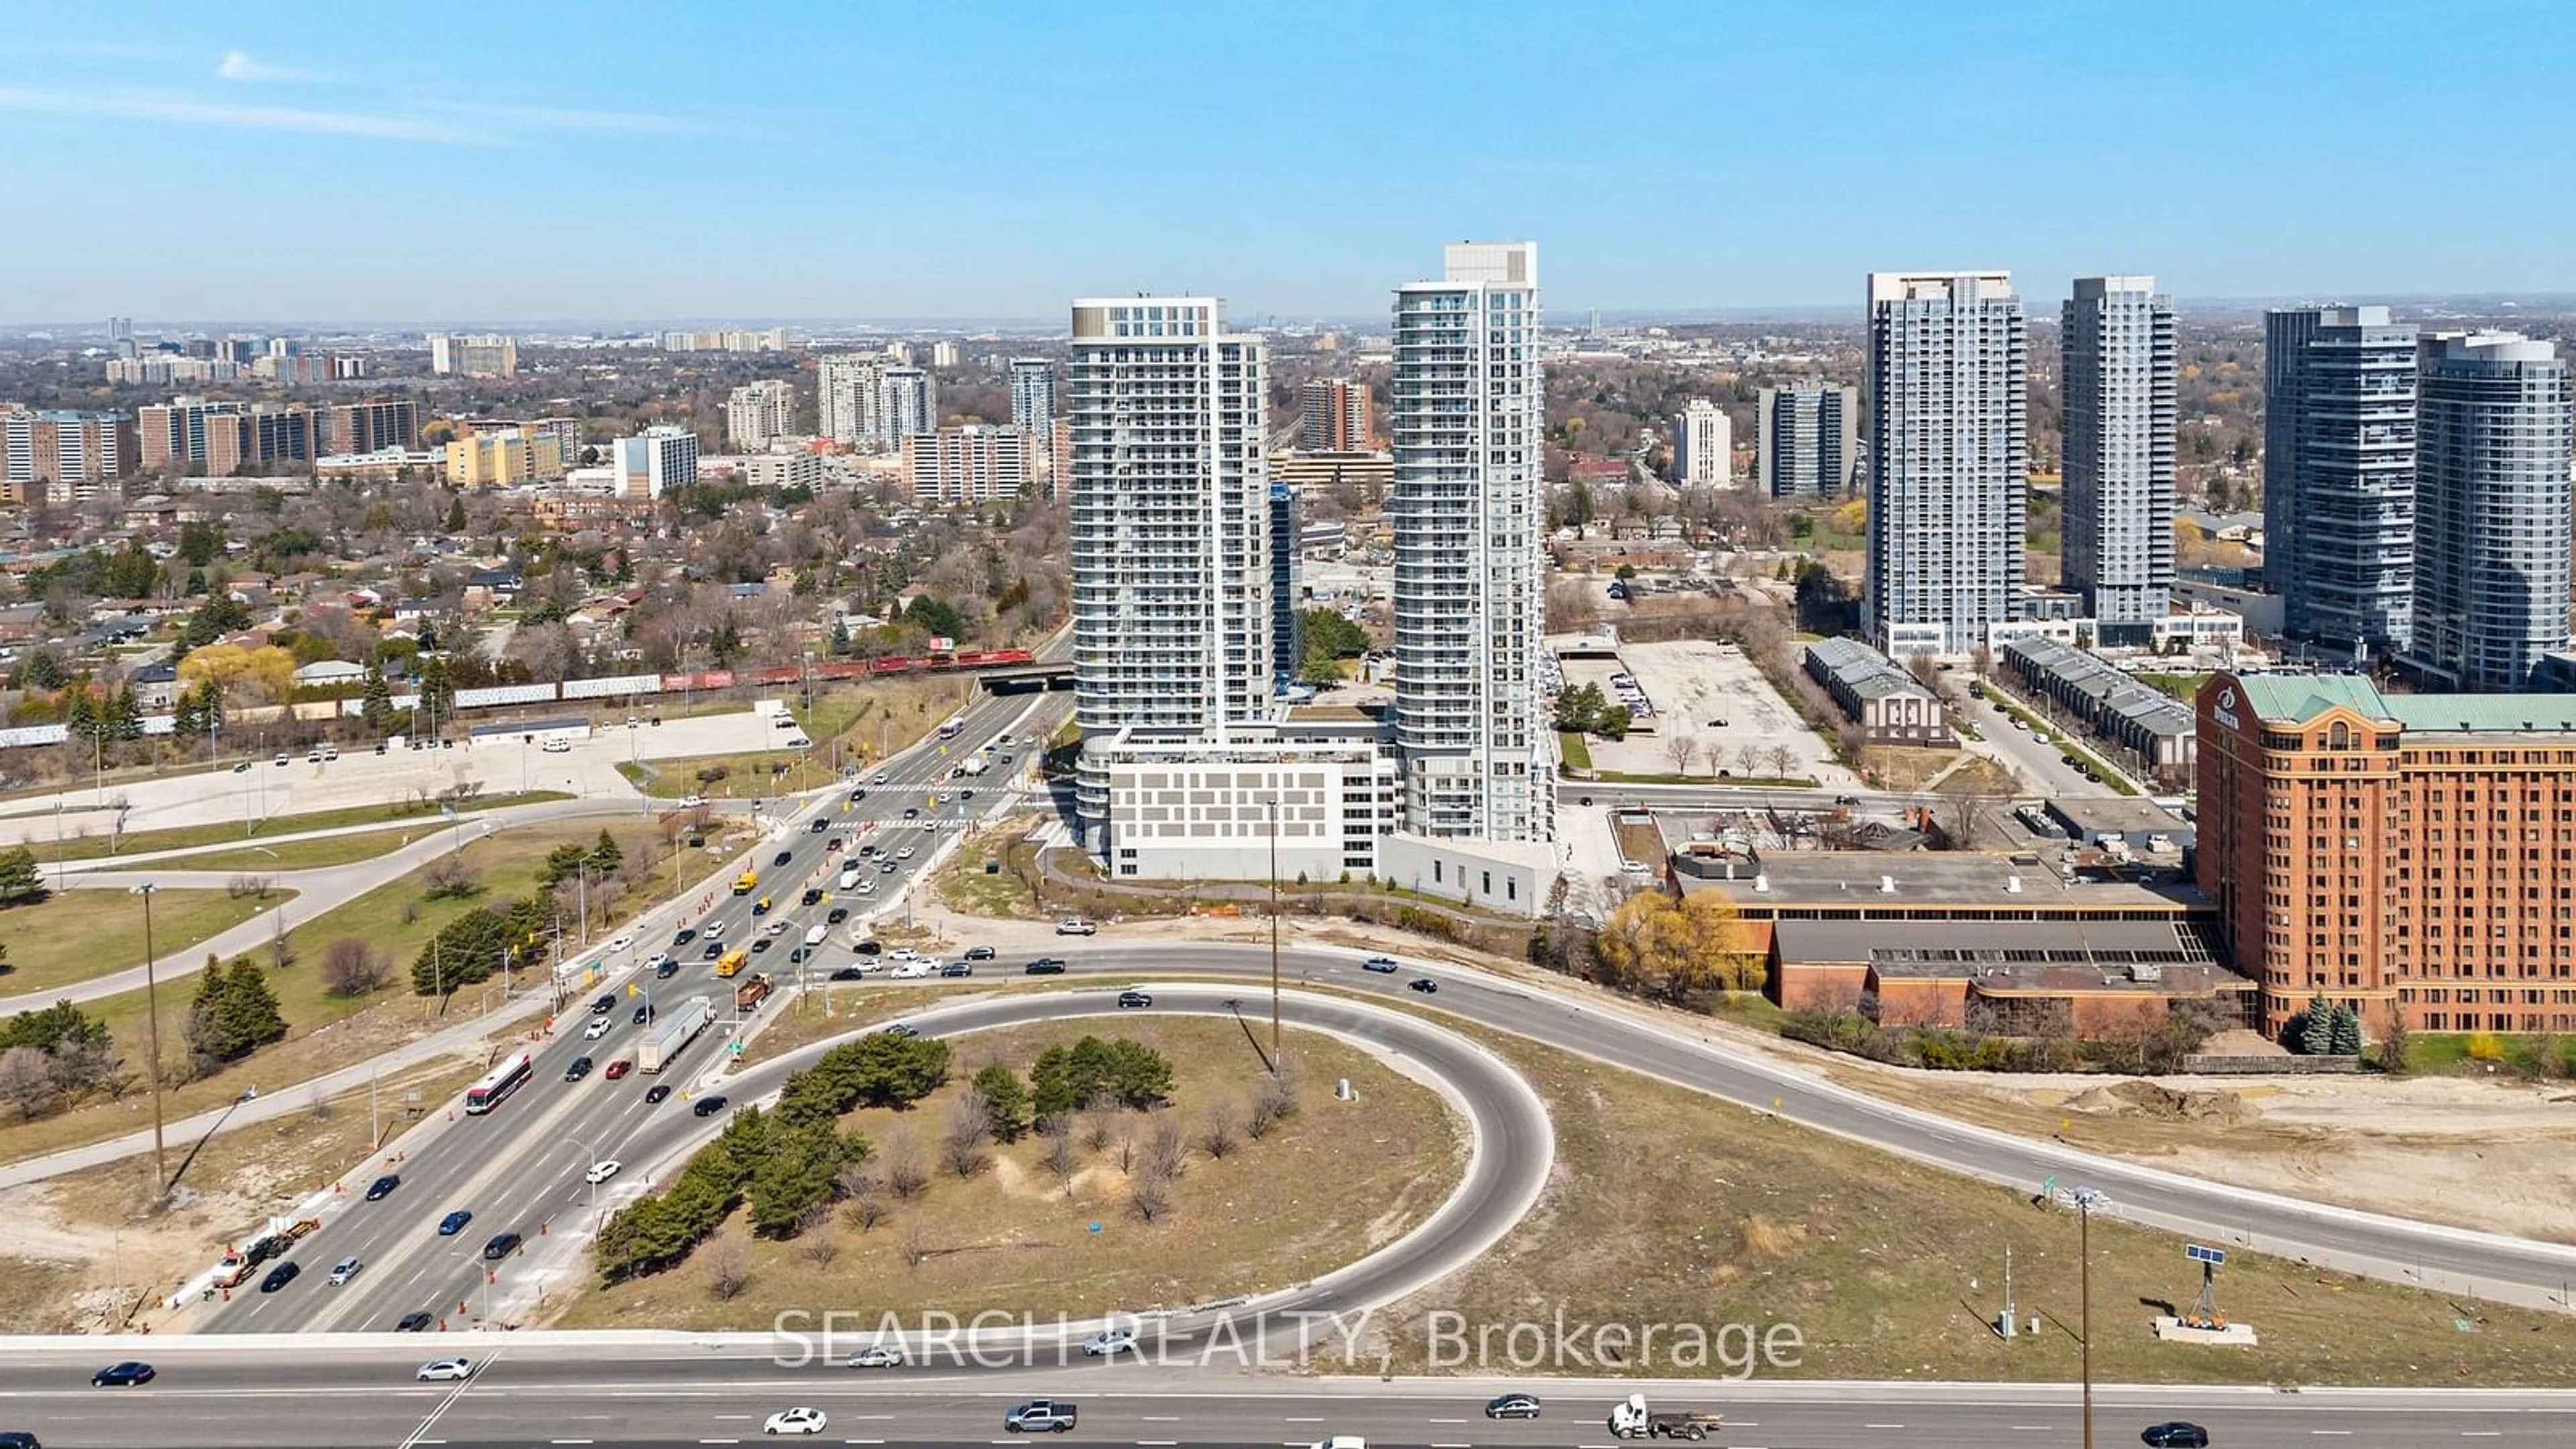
748, 995
672, 1031
1631, 1419
731, 963
747, 882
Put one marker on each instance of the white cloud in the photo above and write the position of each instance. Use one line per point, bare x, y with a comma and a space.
184, 110
238, 66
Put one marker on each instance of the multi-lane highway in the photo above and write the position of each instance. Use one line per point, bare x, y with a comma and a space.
527, 1395
522, 1167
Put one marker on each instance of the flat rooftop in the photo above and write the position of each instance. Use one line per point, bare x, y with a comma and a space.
1925, 879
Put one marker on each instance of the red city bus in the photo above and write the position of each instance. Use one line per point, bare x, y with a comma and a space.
498, 1083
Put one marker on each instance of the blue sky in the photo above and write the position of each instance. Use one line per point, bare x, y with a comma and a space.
995, 159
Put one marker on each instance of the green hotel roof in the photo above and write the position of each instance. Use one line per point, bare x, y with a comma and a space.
2301, 697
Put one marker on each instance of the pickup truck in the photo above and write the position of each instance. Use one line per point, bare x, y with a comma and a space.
1631, 1419
1040, 1416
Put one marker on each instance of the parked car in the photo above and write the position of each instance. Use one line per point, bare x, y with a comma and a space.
1075, 926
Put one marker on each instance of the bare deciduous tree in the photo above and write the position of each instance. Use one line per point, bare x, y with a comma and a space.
1150, 1198
251, 887
820, 1249
1681, 750
351, 967
1165, 1153
905, 1176
1748, 757
970, 1126
25, 1080
916, 1246
1275, 1103
728, 1268
1220, 1130
449, 878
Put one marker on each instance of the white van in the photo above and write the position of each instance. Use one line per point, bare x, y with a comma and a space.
814, 935
849, 877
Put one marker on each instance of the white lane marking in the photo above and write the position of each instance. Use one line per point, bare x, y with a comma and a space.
2334, 1433
1159, 1443
2480, 1433
568, 1441
1155, 1418
1294, 1420
1448, 1421
720, 1441
1882, 1426
2031, 1428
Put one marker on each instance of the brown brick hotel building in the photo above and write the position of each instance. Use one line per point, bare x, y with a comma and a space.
2405, 853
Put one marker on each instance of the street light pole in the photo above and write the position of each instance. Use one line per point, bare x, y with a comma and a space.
152, 1015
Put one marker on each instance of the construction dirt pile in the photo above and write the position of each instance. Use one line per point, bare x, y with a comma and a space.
2164, 1104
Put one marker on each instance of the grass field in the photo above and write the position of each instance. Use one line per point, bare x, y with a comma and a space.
2435, 1051
294, 854
1667, 1207
327, 1031
1338, 1180
78, 934
34, 832
1574, 749
963, 885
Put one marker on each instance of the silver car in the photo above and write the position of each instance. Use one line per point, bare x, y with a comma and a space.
346, 1269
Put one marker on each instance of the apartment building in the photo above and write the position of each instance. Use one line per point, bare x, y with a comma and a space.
1948, 454
218, 439
1170, 521
1807, 438
2120, 351
2339, 476
654, 461
64, 458
968, 463
1703, 446
907, 403
2413, 856
773, 471
502, 457
845, 394
473, 354
1467, 414
371, 426
1335, 417
759, 411
2492, 509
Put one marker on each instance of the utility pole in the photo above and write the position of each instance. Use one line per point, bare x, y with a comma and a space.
152, 1014
1274, 935
2086, 1200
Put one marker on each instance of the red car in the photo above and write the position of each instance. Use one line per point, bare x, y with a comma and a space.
619, 1068
831, 845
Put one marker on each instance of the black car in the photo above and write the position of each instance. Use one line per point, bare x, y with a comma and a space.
868, 948
2179, 1434
858, 795
796, 957
900, 1029
122, 1375
707, 1106
979, 953
821, 825
813, 896
912, 812
501, 1246
1423, 984
668, 969
1512, 1406
414, 1323
606, 1003
279, 1276
1128, 1000
714, 949
264, 1249
781, 859
644, 1014
760, 945
383, 1187
684, 936
1044, 966
836, 915
849, 973
579, 1069
957, 968
656, 1092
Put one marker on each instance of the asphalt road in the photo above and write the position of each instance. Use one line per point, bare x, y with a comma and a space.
371, 1400
521, 1168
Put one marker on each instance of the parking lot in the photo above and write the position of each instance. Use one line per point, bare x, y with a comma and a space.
1711, 694
361, 777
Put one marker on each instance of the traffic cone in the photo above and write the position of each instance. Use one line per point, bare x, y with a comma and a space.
339, 1187
442, 1325
541, 1229
228, 1295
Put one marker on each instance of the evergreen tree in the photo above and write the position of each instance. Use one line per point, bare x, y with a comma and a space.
187, 724
2316, 1028
378, 711
606, 856
437, 690
2346, 1031
81, 717
210, 705
42, 671
125, 715
22, 881
456, 516
841, 636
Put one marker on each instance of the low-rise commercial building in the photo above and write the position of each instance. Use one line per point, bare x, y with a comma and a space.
1186, 806
1891, 706
2412, 856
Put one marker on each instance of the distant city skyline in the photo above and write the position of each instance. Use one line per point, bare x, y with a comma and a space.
835, 188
